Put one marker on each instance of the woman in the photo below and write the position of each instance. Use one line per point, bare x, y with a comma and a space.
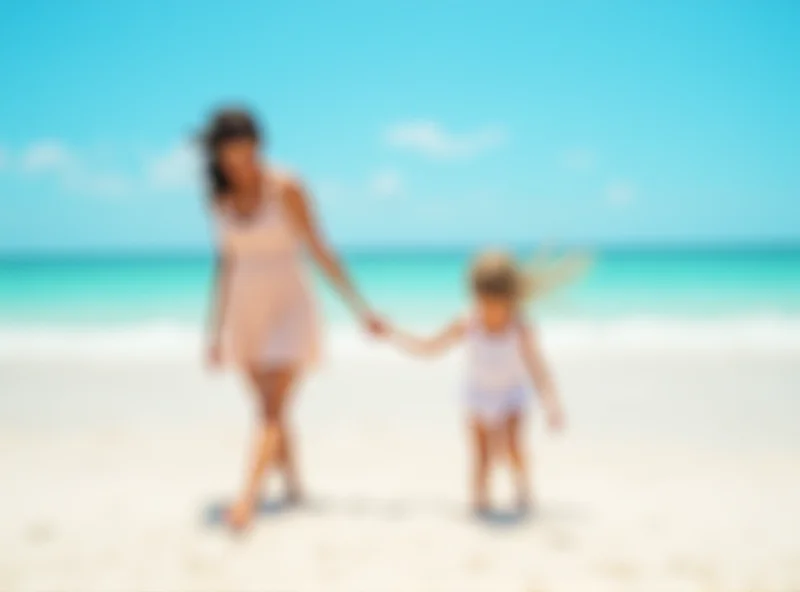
262, 315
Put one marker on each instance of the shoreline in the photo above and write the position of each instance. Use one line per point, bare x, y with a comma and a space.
678, 472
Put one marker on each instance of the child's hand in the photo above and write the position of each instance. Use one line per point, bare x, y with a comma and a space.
387, 331
556, 419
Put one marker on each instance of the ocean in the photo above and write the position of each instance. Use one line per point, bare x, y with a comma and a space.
679, 372
655, 293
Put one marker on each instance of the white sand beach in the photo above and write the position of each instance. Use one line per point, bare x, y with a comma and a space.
680, 471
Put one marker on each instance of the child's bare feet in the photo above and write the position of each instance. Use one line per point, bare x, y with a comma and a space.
480, 511
480, 505
525, 502
295, 496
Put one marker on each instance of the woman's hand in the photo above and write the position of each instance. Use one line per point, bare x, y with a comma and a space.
374, 324
214, 355
431, 346
298, 204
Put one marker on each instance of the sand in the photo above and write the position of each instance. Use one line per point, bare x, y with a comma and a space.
680, 471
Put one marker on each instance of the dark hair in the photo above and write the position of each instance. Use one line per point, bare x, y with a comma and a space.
225, 125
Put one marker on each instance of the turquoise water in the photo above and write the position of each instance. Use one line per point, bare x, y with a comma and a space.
410, 287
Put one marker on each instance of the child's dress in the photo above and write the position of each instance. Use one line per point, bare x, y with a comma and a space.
497, 381
270, 318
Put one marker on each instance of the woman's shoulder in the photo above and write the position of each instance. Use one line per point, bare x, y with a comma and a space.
285, 179
290, 192
289, 187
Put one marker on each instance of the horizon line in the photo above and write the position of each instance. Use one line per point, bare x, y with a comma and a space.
187, 252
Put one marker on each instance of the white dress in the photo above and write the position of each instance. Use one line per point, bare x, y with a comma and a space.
497, 381
270, 318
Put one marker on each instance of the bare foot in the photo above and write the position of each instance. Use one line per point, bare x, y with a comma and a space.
525, 503
240, 515
480, 507
480, 511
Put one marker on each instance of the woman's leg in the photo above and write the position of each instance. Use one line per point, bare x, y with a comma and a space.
273, 388
480, 458
516, 455
287, 456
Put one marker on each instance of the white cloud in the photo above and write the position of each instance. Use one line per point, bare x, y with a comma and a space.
171, 170
579, 160
175, 169
47, 156
386, 183
621, 193
71, 171
430, 139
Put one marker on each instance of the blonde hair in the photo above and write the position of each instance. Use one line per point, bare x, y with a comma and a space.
497, 273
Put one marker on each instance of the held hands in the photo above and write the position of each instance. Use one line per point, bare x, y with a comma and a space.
375, 325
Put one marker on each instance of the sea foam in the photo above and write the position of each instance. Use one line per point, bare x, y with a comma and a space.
178, 341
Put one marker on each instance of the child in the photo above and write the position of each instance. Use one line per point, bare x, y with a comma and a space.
504, 357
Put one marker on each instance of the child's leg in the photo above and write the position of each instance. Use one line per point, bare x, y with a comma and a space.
516, 454
480, 458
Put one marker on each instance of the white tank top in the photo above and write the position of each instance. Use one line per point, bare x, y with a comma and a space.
266, 235
494, 360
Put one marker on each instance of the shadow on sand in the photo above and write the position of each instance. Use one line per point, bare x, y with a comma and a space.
505, 518
399, 510
214, 513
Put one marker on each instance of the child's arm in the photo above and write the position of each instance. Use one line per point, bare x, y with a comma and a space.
437, 344
541, 376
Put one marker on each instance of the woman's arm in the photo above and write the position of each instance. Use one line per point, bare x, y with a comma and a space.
447, 338
218, 306
541, 376
298, 204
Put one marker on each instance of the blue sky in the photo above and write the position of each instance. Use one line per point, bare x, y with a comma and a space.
414, 123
